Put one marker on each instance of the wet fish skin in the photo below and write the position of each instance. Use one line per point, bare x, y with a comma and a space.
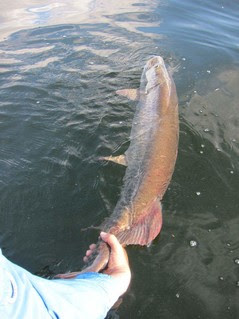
137, 218
151, 157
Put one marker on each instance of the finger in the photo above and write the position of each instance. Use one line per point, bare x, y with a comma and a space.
92, 246
85, 259
88, 252
112, 241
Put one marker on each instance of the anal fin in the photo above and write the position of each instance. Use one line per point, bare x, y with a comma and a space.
145, 229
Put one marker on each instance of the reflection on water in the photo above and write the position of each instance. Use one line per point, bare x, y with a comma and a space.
60, 65
124, 14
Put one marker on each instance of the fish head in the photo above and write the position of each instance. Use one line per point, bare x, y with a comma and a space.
155, 73
154, 62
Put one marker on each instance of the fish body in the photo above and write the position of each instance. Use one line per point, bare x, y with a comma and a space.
151, 157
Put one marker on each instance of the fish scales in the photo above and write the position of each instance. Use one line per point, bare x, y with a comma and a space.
151, 157
153, 149
143, 128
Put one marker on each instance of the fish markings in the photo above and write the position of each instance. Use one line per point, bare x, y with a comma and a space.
150, 160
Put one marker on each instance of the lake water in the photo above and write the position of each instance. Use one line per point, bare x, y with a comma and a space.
60, 65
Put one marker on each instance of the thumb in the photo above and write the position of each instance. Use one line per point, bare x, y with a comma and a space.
111, 240
118, 255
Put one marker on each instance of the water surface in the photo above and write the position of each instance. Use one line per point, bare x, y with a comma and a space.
60, 65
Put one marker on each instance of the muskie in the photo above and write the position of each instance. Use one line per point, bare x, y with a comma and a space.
150, 160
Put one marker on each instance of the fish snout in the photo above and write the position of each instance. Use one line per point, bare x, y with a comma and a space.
154, 62
153, 72
156, 73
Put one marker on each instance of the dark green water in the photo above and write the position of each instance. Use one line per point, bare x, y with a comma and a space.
60, 65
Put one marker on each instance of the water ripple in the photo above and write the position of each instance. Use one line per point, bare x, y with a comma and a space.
61, 64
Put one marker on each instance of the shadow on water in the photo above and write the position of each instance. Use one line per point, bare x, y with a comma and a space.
59, 113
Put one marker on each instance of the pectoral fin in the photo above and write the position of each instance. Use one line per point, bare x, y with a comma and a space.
132, 94
121, 159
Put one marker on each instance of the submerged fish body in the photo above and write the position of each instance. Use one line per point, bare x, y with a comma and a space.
151, 157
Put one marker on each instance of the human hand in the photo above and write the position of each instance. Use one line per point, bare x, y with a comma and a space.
118, 265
